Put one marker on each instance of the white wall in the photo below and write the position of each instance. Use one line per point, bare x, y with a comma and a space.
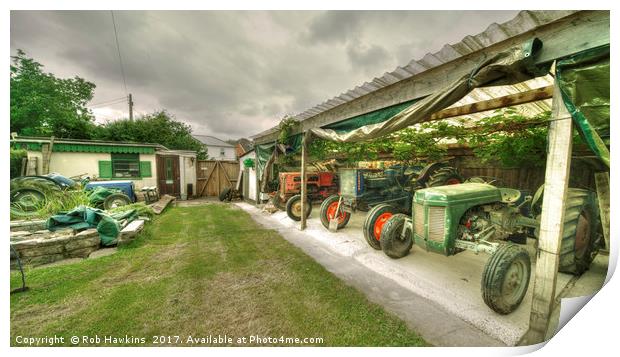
188, 174
77, 163
214, 153
252, 176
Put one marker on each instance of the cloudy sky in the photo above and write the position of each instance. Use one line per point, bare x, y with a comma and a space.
233, 74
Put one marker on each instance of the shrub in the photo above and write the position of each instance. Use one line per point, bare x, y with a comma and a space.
17, 155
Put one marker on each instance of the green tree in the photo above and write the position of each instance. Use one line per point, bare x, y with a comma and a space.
159, 127
42, 104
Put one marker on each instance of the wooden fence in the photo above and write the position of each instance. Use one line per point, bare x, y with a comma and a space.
524, 178
213, 176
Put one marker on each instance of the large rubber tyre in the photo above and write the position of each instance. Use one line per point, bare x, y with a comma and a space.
374, 222
444, 176
41, 184
580, 237
392, 242
277, 203
26, 202
116, 200
226, 194
293, 208
328, 210
505, 278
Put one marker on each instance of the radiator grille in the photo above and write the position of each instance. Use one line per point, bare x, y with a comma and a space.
418, 219
436, 223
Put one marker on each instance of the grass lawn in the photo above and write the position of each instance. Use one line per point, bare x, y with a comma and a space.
202, 271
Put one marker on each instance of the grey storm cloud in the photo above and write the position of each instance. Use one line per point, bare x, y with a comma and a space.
233, 74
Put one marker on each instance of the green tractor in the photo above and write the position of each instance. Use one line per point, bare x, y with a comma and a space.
483, 218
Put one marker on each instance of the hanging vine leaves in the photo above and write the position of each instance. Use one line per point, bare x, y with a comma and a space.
286, 127
507, 138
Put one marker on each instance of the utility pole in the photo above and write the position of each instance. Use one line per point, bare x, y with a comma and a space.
130, 107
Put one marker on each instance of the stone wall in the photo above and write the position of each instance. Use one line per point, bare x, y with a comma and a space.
37, 246
28, 225
43, 247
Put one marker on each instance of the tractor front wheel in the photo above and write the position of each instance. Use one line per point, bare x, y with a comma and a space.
505, 278
293, 208
374, 222
393, 243
329, 210
116, 200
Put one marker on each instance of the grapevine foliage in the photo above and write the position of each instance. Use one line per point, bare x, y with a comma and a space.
506, 138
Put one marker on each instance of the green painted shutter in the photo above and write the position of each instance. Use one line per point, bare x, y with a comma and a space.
145, 169
105, 169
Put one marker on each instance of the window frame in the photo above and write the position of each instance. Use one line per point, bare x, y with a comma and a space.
130, 158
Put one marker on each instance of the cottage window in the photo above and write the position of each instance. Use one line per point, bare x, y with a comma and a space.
222, 152
125, 165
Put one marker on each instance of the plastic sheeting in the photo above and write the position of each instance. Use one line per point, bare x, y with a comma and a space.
507, 67
584, 83
263, 154
83, 217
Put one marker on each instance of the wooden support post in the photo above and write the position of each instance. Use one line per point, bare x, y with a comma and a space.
47, 156
303, 182
602, 191
551, 227
529, 96
256, 181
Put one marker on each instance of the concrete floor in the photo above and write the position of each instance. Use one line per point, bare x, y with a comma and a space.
437, 296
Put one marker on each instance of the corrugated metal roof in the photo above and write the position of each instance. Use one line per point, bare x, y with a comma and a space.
46, 139
211, 141
525, 21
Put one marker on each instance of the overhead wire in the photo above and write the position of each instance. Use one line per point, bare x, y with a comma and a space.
118, 50
109, 101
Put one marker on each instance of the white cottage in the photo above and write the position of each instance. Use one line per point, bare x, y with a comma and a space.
173, 172
217, 149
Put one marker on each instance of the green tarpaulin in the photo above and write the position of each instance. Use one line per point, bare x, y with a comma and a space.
377, 116
97, 195
83, 217
584, 82
263, 153
293, 143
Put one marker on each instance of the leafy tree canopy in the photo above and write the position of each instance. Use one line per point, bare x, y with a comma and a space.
44, 105
159, 127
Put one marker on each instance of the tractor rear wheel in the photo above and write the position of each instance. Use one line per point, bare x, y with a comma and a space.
505, 278
293, 208
445, 176
394, 245
329, 209
26, 201
374, 222
116, 200
580, 235
226, 194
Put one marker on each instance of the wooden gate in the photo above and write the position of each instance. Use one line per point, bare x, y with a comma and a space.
212, 176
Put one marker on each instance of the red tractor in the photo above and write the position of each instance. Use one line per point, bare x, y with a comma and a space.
320, 185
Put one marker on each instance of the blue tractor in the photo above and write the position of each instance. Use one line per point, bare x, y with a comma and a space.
382, 193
